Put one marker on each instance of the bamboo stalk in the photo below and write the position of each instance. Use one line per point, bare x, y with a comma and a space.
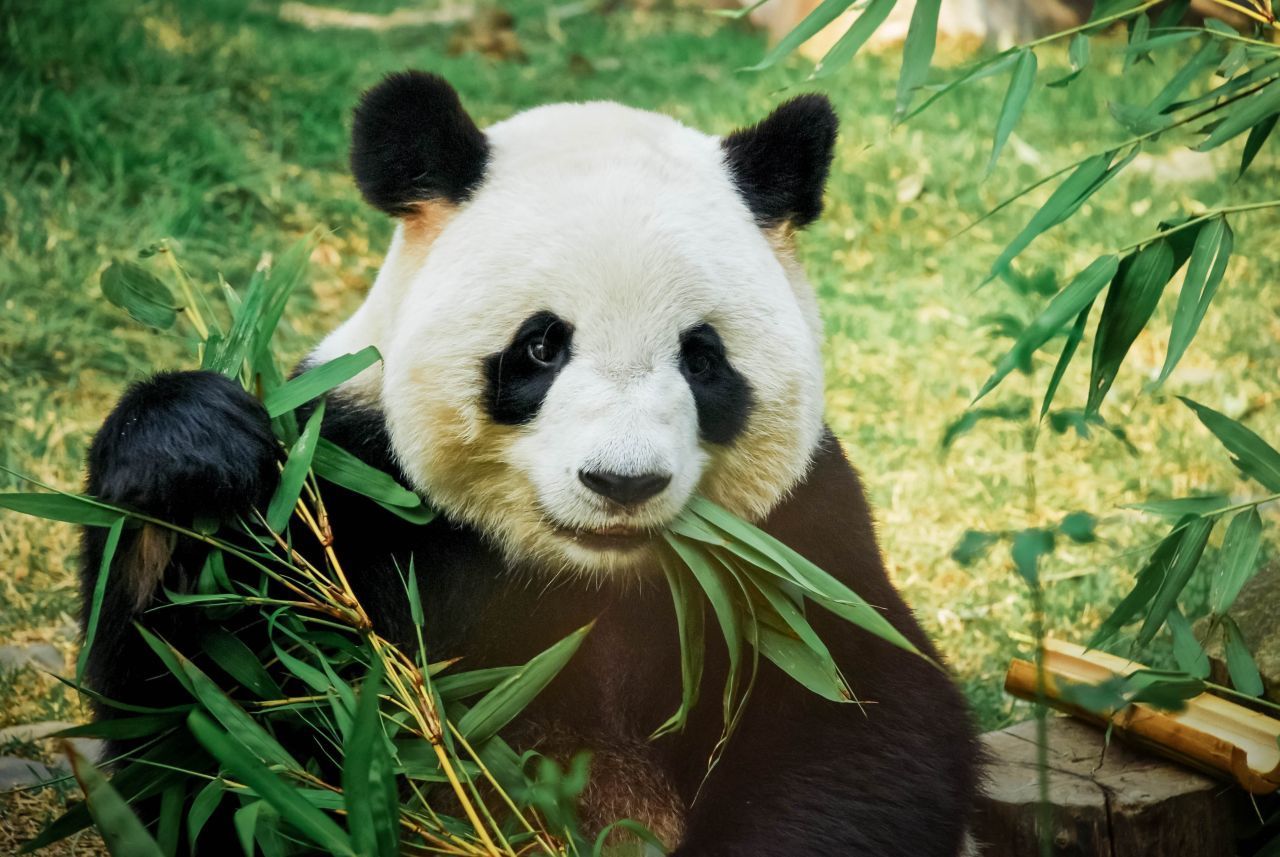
1211, 734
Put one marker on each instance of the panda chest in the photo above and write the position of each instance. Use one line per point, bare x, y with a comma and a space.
617, 689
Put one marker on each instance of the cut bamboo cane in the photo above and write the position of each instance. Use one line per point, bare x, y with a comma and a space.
1211, 734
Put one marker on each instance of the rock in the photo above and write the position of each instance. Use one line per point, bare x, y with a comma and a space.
1255, 612
40, 656
16, 773
33, 731
90, 748
1109, 800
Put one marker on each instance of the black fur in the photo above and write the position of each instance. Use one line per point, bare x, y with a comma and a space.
780, 165
801, 775
516, 382
720, 392
413, 142
183, 447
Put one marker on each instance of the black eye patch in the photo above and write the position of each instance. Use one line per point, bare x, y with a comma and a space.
518, 377
723, 397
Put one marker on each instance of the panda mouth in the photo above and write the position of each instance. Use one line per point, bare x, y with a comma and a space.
613, 537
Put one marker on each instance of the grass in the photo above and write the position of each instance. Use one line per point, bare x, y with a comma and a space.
224, 128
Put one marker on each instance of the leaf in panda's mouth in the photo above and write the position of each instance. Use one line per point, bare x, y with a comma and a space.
756, 586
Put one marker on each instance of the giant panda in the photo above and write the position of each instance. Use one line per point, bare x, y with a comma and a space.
587, 314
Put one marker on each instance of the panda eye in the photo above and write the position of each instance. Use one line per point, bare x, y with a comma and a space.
697, 364
545, 349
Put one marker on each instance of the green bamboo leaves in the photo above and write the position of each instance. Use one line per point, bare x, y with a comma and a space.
757, 589
138, 292
1238, 560
1135, 290
917, 53
854, 38
1253, 455
122, 832
1066, 305
1015, 100
318, 380
1207, 267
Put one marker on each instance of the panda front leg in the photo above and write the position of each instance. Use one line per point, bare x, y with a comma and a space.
181, 447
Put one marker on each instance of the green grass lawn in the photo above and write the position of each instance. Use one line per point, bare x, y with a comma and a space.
222, 127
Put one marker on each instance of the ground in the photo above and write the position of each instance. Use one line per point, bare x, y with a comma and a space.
223, 127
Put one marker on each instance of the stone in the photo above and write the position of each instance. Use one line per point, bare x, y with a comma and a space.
40, 656
17, 773
90, 748
1110, 800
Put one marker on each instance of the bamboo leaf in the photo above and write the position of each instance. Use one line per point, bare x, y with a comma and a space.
242, 765
973, 545
1187, 651
99, 593
239, 662
1135, 291
1080, 527
70, 508
122, 831
295, 472
368, 780
1212, 251
1244, 115
499, 706
202, 808
1181, 566
1069, 348
713, 586
1015, 100
1199, 63
1071, 301
340, 467
318, 380
917, 53
781, 560
1027, 549
826, 12
258, 314
1078, 55
1180, 506
137, 291
855, 37
691, 631
1253, 455
1061, 204
1148, 583
801, 663
1258, 135
1238, 561
1010, 412
1240, 665
227, 711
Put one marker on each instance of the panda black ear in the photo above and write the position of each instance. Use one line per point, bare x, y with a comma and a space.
412, 142
780, 164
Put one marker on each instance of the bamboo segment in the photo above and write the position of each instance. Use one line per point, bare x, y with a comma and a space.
1211, 734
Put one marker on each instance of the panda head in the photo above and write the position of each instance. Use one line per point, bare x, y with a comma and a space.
589, 313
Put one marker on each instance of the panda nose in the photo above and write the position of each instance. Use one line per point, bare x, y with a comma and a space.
625, 489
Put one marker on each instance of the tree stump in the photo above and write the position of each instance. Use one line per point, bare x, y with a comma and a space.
1107, 801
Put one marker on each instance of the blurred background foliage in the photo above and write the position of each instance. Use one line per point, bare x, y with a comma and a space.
223, 126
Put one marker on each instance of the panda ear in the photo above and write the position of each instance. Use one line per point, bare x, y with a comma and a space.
412, 142
780, 164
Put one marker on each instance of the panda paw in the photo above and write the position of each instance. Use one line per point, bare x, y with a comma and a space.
185, 445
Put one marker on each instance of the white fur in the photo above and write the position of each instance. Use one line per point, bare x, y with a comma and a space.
627, 225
